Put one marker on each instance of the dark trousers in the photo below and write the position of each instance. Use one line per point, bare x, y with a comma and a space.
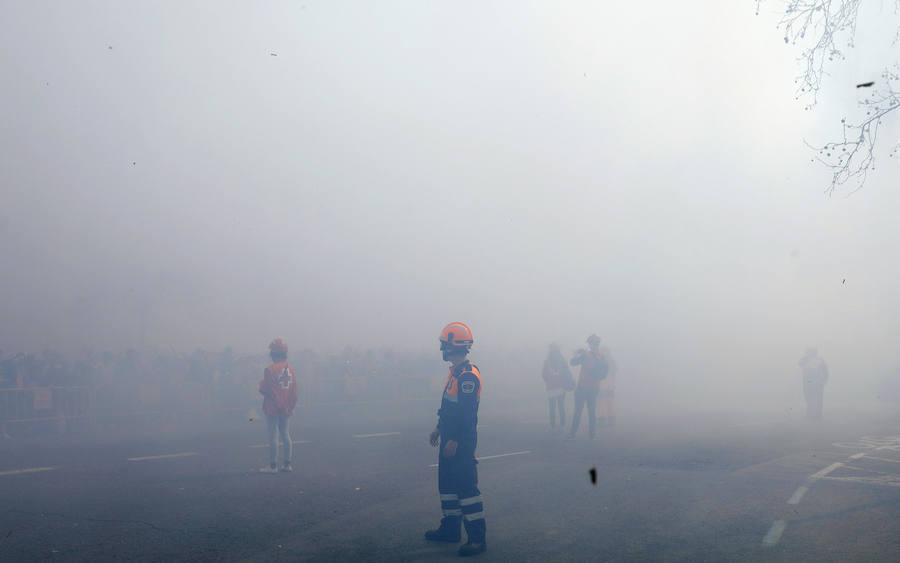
814, 399
585, 396
559, 402
458, 487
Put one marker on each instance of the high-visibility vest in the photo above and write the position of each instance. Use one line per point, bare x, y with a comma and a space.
451, 389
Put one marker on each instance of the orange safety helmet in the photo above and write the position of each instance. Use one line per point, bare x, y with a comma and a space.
456, 334
594, 339
278, 346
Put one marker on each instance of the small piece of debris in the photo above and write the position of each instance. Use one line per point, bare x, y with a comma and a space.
865, 85
273, 54
593, 473
357, 488
109, 47
843, 280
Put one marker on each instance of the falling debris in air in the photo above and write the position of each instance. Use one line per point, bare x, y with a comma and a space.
843, 281
865, 85
593, 472
273, 54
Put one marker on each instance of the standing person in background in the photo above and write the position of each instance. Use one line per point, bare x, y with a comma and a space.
594, 368
606, 396
279, 387
558, 379
815, 374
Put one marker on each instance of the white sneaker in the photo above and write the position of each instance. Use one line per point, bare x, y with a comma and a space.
268, 469
287, 468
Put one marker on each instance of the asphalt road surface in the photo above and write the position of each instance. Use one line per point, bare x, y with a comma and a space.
669, 488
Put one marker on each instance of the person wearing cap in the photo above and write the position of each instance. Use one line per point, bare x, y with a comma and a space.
594, 368
280, 392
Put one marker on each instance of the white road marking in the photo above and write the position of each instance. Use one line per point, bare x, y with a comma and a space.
493, 456
867, 442
279, 443
888, 480
183, 454
824, 472
503, 455
376, 435
883, 459
798, 494
774, 533
28, 470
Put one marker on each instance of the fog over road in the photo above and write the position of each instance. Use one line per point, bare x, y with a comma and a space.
691, 487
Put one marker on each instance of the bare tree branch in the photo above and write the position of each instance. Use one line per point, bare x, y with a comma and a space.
822, 28
854, 155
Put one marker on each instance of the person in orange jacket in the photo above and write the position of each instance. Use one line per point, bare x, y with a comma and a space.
280, 392
457, 435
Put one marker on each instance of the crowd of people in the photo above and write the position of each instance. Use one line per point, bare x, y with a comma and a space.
108, 386
594, 390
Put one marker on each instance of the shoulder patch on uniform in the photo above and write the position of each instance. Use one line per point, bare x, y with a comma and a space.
467, 386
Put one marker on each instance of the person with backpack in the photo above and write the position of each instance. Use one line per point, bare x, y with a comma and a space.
280, 392
594, 368
559, 380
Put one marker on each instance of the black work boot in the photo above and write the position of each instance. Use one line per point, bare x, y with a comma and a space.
448, 531
476, 543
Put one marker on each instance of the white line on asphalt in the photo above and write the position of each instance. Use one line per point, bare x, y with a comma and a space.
494, 456
503, 455
824, 472
883, 459
376, 435
886, 479
183, 454
798, 494
778, 527
29, 470
267, 445
775, 532
867, 470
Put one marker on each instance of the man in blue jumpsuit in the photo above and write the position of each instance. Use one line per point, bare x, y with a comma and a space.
457, 434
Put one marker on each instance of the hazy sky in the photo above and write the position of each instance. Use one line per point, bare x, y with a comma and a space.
209, 173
